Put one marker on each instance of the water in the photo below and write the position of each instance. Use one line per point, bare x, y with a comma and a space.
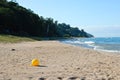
109, 44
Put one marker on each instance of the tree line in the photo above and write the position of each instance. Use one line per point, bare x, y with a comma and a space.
17, 20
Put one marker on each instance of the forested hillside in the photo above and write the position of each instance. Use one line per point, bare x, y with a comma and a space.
17, 20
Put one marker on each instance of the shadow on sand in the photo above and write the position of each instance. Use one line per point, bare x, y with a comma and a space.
41, 66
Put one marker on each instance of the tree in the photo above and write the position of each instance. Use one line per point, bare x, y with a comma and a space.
13, 0
11, 3
17, 20
3, 0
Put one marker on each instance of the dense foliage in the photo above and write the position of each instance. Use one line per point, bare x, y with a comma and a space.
17, 20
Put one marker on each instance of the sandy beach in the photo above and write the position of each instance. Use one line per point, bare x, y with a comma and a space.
58, 61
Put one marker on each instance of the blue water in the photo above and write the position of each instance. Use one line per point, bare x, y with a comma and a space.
109, 44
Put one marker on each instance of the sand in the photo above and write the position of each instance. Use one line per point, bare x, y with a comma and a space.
58, 61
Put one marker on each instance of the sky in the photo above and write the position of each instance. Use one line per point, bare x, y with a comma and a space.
98, 17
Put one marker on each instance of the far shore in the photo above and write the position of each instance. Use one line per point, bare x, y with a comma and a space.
58, 61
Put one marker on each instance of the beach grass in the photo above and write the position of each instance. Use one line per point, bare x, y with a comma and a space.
14, 39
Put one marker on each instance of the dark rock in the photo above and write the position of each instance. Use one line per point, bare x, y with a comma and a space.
41, 79
12, 49
73, 78
78, 68
60, 78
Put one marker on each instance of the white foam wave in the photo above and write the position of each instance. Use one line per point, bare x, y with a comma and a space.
74, 42
78, 42
89, 42
105, 50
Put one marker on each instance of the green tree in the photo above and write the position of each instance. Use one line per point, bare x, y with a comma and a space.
17, 20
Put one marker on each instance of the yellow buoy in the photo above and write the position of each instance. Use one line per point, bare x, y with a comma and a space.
35, 62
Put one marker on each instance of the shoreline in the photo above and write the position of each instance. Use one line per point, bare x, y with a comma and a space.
57, 60
99, 50
99, 44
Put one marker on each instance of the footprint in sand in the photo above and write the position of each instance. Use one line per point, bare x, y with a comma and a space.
61, 78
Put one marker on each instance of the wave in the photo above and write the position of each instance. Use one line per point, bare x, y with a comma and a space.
89, 42
116, 51
74, 42
101, 48
78, 42
100, 44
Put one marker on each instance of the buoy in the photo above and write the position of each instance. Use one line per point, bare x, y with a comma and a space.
35, 62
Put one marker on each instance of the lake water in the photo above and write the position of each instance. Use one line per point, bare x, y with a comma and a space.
109, 44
